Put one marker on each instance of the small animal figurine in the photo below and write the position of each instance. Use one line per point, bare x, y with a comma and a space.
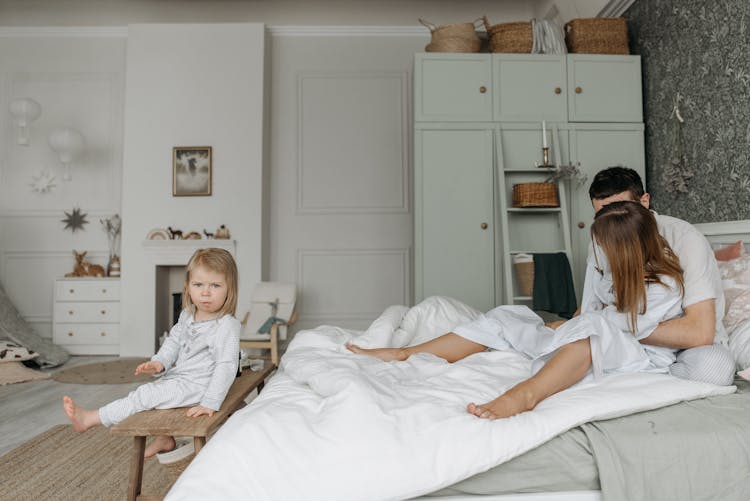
222, 232
175, 234
208, 235
83, 268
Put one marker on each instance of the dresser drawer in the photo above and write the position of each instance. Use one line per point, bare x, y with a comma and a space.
86, 334
87, 290
101, 312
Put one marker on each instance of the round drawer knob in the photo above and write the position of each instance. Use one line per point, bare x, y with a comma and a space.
558, 90
70, 312
72, 291
483, 226
482, 89
578, 90
104, 312
582, 225
103, 334
104, 291
70, 334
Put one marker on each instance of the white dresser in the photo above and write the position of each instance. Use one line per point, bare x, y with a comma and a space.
87, 315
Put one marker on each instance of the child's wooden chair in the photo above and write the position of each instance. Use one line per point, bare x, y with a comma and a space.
271, 313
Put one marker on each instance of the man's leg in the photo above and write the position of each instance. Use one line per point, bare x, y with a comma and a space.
566, 367
712, 363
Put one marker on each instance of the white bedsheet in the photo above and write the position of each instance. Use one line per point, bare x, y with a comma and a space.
333, 425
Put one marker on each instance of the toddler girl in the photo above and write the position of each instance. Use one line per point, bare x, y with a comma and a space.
198, 359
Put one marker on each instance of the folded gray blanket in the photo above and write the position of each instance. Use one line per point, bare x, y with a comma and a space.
15, 328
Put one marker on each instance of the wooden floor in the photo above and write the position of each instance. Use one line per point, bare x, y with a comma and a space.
28, 409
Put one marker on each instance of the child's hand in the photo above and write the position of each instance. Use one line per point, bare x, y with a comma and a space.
199, 410
150, 367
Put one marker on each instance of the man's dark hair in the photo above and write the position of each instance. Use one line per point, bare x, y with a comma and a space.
614, 180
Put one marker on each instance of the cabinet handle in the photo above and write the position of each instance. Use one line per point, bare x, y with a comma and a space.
103, 334
558, 90
104, 312
483, 226
482, 89
70, 334
581, 225
70, 312
72, 291
104, 291
578, 90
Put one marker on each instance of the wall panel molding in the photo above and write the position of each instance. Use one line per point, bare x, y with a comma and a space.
390, 202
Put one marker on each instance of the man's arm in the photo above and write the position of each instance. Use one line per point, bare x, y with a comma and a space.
695, 328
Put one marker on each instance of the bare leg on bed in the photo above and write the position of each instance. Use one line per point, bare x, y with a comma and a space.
450, 346
563, 370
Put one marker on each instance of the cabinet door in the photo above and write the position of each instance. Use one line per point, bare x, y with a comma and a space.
530, 88
596, 149
454, 223
452, 88
604, 88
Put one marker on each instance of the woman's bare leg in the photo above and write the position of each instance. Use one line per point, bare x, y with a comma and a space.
450, 346
563, 370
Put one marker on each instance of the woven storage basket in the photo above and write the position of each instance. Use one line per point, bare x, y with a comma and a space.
524, 277
514, 38
454, 45
535, 195
458, 37
597, 35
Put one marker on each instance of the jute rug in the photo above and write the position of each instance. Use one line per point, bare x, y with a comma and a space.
61, 464
113, 372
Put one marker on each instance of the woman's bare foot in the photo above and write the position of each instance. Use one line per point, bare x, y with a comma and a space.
385, 354
508, 404
162, 443
81, 419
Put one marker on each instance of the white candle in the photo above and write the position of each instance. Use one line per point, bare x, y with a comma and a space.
544, 134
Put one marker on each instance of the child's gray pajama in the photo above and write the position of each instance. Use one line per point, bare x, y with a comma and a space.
200, 362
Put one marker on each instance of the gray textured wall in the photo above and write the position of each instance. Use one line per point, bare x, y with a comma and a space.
698, 170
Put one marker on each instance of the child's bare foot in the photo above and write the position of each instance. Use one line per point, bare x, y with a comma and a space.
162, 443
508, 404
385, 354
81, 419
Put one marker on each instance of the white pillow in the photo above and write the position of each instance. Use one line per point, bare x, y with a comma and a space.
431, 318
380, 332
735, 278
739, 344
12, 352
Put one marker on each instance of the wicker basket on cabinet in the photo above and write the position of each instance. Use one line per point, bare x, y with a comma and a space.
535, 195
597, 35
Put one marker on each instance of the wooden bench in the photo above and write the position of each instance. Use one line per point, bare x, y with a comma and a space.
175, 422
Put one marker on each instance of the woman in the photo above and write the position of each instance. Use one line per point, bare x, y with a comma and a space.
633, 282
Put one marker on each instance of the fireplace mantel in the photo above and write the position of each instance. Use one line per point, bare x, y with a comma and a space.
178, 252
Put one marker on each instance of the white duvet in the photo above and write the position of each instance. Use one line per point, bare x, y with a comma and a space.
333, 425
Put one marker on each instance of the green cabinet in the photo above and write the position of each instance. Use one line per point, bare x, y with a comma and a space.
453, 89
478, 132
454, 215
604, 88
529, 87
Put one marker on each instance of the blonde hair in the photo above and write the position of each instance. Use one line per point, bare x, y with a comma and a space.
637, 254
218, 261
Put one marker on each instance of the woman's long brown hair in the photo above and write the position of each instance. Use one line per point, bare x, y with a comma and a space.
637, 254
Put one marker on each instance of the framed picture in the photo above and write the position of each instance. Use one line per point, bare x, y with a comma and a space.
191, 171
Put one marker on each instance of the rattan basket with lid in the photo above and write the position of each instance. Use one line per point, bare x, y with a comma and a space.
597, 35
535, 195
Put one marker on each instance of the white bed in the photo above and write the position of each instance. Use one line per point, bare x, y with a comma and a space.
333, 425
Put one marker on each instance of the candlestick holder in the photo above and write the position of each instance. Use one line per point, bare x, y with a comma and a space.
545, 159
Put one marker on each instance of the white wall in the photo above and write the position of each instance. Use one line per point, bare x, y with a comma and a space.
78, 80
190, 85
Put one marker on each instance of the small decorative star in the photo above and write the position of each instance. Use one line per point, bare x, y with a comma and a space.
74, 220
43, 182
